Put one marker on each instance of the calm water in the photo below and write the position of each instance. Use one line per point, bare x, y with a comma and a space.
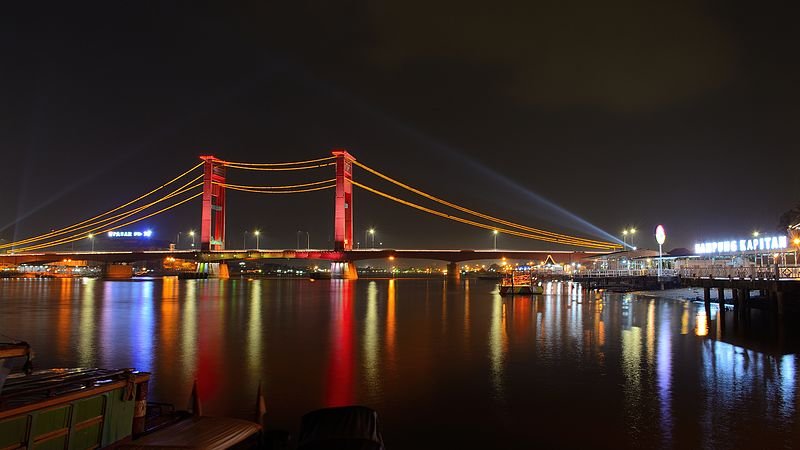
446, 366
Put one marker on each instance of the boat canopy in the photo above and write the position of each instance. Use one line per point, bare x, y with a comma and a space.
348, 427
198, 432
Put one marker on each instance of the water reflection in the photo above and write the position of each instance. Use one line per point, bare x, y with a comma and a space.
339, 380
371, 341
477, 368
498, 342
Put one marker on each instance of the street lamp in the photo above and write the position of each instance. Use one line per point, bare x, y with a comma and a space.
796, 242
755, 249
624, 236
632, 231
372, 233
257, 233
91, 238
178, 240
191, 233
494, 233
308, 239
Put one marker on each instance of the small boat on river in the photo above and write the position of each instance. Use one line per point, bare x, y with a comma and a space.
519, 283
87, 408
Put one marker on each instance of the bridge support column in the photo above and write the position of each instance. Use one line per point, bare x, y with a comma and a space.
721, 297
214, 270
453, 272
343, 207
212, 219
707, 297
344, 270
742, 301
118, 271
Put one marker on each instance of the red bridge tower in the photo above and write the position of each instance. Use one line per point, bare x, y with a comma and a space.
212, 228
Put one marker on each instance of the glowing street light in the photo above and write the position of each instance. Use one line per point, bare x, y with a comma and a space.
91, 238
371, 233
191, 233
494, 232
661, 237
257, 233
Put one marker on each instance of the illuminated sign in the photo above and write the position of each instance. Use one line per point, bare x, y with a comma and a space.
661, 235
742, 245
130, 234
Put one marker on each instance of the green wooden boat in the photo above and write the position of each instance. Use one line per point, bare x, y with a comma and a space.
90, 408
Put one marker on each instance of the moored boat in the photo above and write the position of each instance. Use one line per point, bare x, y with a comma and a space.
87, 408
517, 283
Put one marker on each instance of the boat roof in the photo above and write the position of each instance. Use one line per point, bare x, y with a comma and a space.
22, 393
197, 432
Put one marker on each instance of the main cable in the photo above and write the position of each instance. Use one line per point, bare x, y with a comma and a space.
293, 163
289, 186
294, 191
244, 167
478, 214
106, 222
478, 224
78, 225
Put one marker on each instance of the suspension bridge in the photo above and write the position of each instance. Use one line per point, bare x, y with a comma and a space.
208, 180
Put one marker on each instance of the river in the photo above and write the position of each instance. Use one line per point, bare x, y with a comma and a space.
446, 366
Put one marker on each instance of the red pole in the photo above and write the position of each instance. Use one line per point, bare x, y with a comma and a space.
212, 219
343, 212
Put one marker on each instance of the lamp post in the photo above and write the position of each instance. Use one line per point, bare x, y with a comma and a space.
755, 249
632, 231
624, 237
191, 233
661, 237
494, 233
257, 233
308, 239
372, 233
178, 240
91, 238
796, 242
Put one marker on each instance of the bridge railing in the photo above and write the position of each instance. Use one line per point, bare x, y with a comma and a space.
752, 272
625, 273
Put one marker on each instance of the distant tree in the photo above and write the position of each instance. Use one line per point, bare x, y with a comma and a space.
790, 218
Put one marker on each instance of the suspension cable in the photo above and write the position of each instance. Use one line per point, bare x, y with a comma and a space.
290, 186
478, 214
293, 163
88, 221
314, 166
482, 225
294, 191
117, 218
115, 227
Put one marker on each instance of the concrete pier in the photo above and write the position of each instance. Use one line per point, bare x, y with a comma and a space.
453, 272
118, 271
344, 270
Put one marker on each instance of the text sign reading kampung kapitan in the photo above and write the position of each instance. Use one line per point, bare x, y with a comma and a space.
742, 245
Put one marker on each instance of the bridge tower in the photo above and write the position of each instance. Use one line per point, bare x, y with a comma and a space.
212, 223
343, 215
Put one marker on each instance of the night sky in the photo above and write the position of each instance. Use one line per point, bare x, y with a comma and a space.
573, 116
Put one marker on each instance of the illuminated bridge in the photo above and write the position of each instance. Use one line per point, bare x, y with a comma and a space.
208, 180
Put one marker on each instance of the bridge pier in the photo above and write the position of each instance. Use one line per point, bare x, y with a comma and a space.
707, 297
214, 270
343, 270
453, 272
118, 271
